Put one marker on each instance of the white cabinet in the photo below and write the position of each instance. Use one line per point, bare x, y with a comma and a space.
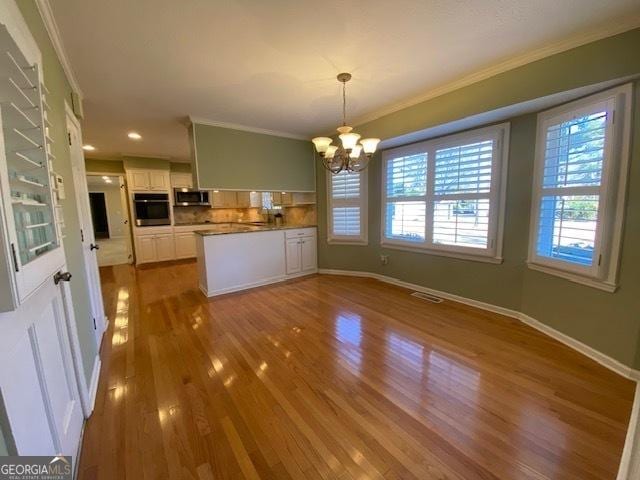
309, 255
293, 251
223, 199
185, 245
181, 180
303, 198
155, 248
248, 199
159, 180
301, 251
145, 249
148, 180
165, 247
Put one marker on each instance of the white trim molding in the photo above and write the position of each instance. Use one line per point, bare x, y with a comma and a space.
604, 360
93, 388
630, 462
608, 30
44, 7
246, 128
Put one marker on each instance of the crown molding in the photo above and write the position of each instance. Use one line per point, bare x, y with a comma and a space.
245, 128
608, 30
44, 7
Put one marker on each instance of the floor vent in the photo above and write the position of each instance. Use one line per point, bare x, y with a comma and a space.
428, 297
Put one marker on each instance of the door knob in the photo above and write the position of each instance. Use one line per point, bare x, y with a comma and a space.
94, 246
61, 277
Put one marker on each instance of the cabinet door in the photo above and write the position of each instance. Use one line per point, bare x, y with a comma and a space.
165, 247
309, 259
216, 199
276, 198
243, 199
285, 198
229, 199
185, 245
139, 181
181, 180
159, 180
293, 256
145, 249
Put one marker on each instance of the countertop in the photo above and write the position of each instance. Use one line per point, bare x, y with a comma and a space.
224, 228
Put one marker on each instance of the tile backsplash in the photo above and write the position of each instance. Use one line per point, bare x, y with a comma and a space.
300, 215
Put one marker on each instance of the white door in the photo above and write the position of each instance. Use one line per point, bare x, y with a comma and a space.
165, 247
294, 263
146, 249
37, 376
309, 257
89, 245
185, 245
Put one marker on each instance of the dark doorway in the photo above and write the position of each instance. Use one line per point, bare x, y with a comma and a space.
99, 215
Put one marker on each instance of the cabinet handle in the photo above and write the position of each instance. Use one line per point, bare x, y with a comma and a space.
94, 246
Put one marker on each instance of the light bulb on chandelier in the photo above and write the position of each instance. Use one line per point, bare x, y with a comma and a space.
351, 155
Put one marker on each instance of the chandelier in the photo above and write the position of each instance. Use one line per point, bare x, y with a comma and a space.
349, 156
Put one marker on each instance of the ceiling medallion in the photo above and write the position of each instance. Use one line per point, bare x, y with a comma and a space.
349, 156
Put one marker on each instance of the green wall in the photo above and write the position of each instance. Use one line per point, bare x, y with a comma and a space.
239, 160
56, 81
104, 166
608, 322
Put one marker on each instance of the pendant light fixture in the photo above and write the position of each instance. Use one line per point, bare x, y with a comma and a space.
351, 155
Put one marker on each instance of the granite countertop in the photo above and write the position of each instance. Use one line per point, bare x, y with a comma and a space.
224, 228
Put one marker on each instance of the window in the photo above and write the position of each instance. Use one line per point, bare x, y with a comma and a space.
347, 210
445, 196
579, 183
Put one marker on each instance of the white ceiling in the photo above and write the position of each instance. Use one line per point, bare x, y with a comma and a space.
146, 65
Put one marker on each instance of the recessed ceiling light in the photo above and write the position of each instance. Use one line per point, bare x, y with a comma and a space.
105, 178
134, 136
88, 148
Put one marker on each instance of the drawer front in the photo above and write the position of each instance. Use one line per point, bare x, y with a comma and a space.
300, 232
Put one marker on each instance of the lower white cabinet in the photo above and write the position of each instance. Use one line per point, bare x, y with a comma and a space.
300, 251
185, 245
155, 248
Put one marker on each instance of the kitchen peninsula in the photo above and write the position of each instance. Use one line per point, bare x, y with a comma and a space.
237, 256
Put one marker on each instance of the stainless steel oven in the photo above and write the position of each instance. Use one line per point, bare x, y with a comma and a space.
151, 209
185, 197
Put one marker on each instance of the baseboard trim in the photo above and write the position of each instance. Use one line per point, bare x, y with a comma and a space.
261, 283
95, 377
604, 360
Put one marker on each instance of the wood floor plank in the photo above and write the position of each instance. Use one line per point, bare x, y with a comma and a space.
329, 377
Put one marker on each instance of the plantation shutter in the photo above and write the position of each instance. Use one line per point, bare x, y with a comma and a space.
570, 193
346, 205
406, 189
462, 194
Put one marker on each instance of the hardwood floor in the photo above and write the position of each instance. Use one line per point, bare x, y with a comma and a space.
338, 377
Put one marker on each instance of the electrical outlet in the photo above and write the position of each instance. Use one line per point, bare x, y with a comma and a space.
384, 259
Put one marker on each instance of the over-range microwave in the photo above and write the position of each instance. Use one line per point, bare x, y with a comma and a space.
186, 197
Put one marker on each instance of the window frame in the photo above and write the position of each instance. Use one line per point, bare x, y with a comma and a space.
611, 191
362, 203
497, 196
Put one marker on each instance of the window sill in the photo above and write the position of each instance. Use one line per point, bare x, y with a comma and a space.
572, 277
335, 241
442, 253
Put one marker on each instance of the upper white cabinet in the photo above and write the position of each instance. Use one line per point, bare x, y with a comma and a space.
223, 199
29, 240
181, 180
148, 180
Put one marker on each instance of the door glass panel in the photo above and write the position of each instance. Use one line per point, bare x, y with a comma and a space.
23, 109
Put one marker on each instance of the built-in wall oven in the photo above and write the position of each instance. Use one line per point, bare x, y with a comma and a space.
151, 209
185, 197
